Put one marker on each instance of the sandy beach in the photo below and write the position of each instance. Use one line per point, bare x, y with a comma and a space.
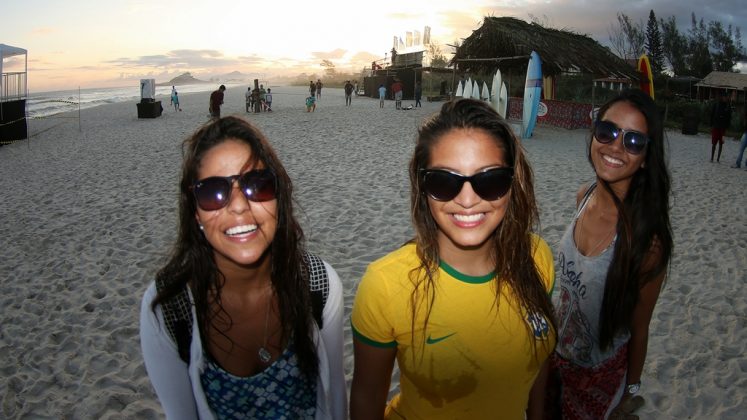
89, 214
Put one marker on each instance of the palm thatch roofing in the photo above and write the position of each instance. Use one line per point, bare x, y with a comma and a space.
724, 80
560, 50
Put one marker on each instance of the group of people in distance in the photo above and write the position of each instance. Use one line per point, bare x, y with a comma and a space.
483, 319
258, 99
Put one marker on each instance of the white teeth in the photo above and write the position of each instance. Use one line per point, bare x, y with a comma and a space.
612, 160
469, 218
238, 230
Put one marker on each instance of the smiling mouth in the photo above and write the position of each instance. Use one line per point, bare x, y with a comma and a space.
612, 160
469, 218
241, 230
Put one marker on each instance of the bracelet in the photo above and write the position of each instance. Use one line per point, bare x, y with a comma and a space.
633, 389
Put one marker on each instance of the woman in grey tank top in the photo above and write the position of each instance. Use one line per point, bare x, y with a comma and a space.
611, 265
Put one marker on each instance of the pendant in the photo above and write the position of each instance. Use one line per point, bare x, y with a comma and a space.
264, 355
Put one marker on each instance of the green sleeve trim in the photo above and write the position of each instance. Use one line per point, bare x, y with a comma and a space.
552, 284
370, 342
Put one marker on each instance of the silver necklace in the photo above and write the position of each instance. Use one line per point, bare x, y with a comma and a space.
264, 355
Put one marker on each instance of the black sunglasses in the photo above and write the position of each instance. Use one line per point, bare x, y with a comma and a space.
444, 185
213, 193
634, 142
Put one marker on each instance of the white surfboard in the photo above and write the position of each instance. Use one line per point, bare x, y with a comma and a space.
495, 92
485, 93
459, 90
475, 90
503, 101
467, 93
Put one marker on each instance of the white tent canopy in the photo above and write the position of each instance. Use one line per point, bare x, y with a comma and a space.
18, 89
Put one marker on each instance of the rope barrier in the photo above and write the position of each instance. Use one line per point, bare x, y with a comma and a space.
46, 117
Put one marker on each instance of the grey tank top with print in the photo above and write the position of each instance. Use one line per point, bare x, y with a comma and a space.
577, 297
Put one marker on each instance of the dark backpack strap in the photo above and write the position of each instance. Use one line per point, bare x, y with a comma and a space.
177, 315
318, 286
177, 311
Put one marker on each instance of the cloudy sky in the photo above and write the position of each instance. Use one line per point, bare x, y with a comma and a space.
95, 43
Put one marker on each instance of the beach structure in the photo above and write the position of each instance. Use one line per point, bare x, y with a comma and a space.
735, 84
13, 94
505, 43
148, 107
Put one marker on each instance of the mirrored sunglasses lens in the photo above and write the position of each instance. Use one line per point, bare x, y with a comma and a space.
258, 185
605, 132
493, 184
212, 193
442, 186
634, 142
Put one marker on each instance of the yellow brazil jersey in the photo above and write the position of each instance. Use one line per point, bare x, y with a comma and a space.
473, 360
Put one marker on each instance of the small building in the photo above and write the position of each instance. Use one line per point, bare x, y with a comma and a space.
13, 94
717, 82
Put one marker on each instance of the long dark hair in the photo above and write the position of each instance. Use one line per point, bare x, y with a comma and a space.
512, 241
192, 263
642, 224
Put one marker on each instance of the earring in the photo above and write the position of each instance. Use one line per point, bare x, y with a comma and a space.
202, 227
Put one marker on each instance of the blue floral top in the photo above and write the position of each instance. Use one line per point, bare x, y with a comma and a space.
279, 392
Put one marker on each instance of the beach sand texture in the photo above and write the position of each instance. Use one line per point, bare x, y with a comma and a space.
88, 217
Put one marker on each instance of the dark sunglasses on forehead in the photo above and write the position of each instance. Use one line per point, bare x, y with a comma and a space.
443, 185
214, 193
634, 142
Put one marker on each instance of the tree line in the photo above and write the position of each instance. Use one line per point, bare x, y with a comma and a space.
704, 48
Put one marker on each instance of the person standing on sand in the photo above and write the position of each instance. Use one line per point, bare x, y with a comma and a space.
268, 100
248, 98
743, 143
216, 100
173, 90
262, 98
319, 89
464, 307
238, 320
397, 91
312, 88
382, 95
611, 265
418, 94
348, 93
175, 100
720, 120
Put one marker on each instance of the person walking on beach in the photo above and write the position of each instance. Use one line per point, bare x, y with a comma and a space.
611, 265
268, 100
312, 88
267, 315
319, 89
248, 98
173, 91
382, 95
216, 100
418, 94
720, 120
397, 91
465, 302
175, 100
743, 143
348, 93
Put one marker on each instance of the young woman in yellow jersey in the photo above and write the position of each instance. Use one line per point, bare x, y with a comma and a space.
463, 307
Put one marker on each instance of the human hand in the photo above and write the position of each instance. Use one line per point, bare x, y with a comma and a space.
628, 405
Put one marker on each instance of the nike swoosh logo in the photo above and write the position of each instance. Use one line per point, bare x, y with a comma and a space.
436, 340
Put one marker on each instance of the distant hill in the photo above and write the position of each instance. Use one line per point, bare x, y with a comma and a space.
183, 79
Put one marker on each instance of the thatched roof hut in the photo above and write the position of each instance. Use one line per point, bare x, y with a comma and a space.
560, 50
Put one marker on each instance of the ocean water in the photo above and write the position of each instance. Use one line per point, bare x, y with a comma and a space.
45, 104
